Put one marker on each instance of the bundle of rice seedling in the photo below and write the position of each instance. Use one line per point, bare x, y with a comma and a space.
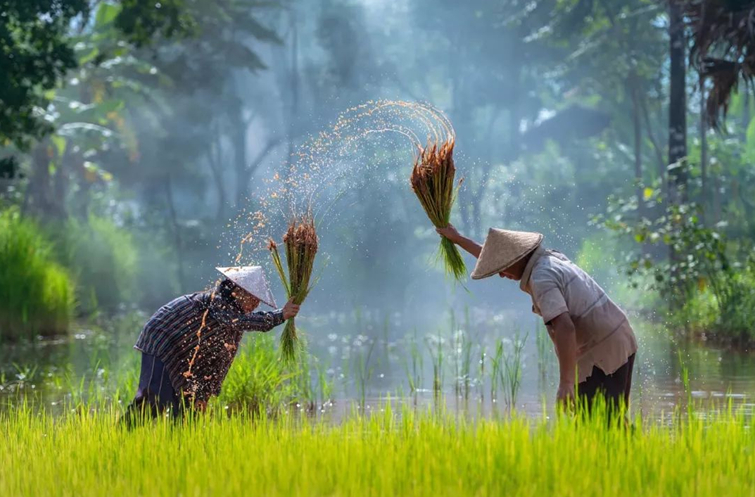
433, 182
300, 241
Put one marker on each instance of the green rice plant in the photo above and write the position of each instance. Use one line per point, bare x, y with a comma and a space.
435, 349
364, 370
462, 355
396, 452
433, 182
512, 367
36, 293
481, 383
543, 344
325, 386
496, 369
301, 243
413, 365
258, 381
684, 373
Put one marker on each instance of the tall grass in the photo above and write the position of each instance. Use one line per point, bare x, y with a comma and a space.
413, 365
36, 293
105, 261
258, 381
389, 454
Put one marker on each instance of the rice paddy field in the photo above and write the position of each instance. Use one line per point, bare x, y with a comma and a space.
450, 413
391, 452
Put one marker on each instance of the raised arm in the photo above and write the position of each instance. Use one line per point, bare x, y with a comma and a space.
467, 244
267, 320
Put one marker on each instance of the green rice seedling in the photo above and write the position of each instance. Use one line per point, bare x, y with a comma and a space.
684, 375
258, 381
325, 386
301, 244
364, 372
413, 366
481, 383
462, 355
433, 183
543, 343
436, 355
512, 367
400, 451
496, 369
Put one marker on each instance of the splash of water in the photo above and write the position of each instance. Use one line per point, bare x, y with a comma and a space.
323, 168
326, 166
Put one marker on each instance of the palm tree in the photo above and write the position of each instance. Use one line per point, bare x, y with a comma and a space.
723, 49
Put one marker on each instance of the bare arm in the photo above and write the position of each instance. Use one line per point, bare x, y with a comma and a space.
467, 244
565, 340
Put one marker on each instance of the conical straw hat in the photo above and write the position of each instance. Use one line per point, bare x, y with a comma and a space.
252, 279
503, 249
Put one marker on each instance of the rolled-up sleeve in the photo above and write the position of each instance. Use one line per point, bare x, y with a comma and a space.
260, 320
547, 294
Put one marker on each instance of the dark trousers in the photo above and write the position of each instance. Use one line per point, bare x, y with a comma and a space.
614, 387
155, 394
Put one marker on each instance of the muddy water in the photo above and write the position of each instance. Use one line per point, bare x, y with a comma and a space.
368, 362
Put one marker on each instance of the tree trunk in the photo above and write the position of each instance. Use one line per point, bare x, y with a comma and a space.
240, 127
176, 228
215, 161
703, 152
677, 146
40, 198
294, 93
634, 91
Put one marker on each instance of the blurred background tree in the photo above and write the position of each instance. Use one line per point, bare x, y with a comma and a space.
133, 133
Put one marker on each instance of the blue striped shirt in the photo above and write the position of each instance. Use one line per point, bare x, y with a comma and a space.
197, 337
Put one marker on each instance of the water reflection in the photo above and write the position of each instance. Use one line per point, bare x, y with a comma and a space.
464, 364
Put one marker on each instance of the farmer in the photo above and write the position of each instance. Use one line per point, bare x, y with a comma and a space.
189, 344
593, 339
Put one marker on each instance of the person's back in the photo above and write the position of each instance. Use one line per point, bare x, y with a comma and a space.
189, 344
604, 335
592, 337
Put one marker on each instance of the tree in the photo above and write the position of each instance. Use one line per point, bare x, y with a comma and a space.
36, 52
34, 55
723, 48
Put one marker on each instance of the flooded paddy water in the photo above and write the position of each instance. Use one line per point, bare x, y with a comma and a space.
359, 360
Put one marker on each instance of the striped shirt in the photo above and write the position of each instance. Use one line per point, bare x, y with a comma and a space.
197, 337
604, 336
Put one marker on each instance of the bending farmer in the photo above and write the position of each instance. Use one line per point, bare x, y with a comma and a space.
189, 344
593, 339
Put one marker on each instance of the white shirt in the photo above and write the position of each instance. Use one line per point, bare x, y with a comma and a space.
604, 336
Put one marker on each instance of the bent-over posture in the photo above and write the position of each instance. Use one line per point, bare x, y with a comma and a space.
189, 344
593, 339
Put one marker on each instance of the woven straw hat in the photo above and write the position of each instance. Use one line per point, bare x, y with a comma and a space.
252, 279
503, 249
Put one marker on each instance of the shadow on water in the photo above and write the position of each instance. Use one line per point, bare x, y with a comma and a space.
476, 365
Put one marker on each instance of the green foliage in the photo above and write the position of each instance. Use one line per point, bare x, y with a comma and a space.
696, 274
734, 296
36, 294
104, 259
141, 21
37, 50
34, 55
697, 252
259, 382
